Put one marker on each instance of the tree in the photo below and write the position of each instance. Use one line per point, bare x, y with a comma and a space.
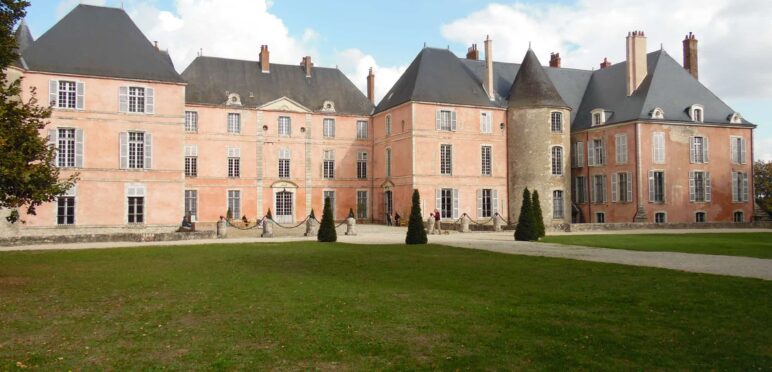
28, 175
416, 234
762, 184
537, 216
526, 225
327, 231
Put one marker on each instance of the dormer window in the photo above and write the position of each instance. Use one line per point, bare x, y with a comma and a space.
735, 118
657, 113
598, 117
697, 113
233, 99
328, 106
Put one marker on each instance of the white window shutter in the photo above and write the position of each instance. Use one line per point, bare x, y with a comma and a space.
494, 201
580, 154
53, 93
603, 156
438, 119
79, 148
53, 141
652, 192
692, 150
148, 151
707, 187
123, 99
479, 203
593, 199
614, 185
733, 150
744, 193
80, 89
705, 147
691, 186
735, 191
438, 205
629, 187
664, 186
124, 145
149, 100
453, 121
455, 203
743, 147
604, 197
590, 152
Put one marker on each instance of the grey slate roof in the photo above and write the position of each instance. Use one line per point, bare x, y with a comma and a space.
23, 37
434, 76
532, 87
210, 77
99, 41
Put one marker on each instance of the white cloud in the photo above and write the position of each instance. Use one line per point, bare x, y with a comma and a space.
734, 46
65, 6
356, 65
763, 148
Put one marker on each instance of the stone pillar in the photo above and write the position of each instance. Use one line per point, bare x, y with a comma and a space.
430, 225
464, 225
312, 227
222, 228
350, 225
497, 220
267, 228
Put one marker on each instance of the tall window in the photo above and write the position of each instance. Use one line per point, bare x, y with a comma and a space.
621, 187
191, 121
284, 163
485, 123
234, 123
136, 99
328, 166
487, 204
191, 160
136, 203
191, 203
285, 126
330, 195
699, 149
446, 120
65, 208
362, 129
234, 203
656, 186
446, 159
658, 147
557, 161
738, 148
328, 128
67, 94
577, 155
556, 119
595, 152
599, 188
65, 150
557, 204
388, 124
581, 190
485, 155
388, 162
446, 203
234, 162
137, 150
699, 186
739, 187
362, 202
621, 148
362, 165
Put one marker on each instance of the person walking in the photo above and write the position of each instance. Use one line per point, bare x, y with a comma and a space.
437, 223
388, 219
396, 219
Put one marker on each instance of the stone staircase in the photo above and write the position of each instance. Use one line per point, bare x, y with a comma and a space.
760, 215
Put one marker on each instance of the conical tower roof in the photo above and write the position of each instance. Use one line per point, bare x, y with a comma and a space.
532, 87
23, 37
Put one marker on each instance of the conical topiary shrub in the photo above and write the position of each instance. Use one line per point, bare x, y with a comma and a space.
312, 215
526, 229
537, 216
327, 231
416, 234
269, 215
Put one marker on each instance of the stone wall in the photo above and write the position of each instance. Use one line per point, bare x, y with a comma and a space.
101, 238
665, 226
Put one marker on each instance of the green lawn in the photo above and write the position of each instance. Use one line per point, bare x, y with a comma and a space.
729, 244
315, 306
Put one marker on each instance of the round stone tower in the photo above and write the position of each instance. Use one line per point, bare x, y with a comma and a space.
538, 143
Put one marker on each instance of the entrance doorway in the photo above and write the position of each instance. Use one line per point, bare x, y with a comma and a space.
284, 207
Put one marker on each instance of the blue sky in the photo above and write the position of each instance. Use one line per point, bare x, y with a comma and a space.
735, 44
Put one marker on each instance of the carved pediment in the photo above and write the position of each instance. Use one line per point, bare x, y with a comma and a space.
284, 185
284, 104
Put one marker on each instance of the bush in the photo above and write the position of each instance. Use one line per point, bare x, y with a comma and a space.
269, 215
526, 224
537, 216
416, 234
229, 215
312, 215
351, 213
327, 231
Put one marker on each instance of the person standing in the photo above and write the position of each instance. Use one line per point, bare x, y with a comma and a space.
437, 223
388, 219
396, 219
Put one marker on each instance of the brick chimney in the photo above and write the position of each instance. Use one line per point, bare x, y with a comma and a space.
265, 63
605, 63
555, 60
690, 54
636, 60
371, 86
473, 53
307, 65
488, 84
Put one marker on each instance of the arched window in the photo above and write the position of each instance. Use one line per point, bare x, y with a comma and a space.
700, 217
697, 113
388, 124
657, 113
739, 217
735, 118
556, 119
557, 161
